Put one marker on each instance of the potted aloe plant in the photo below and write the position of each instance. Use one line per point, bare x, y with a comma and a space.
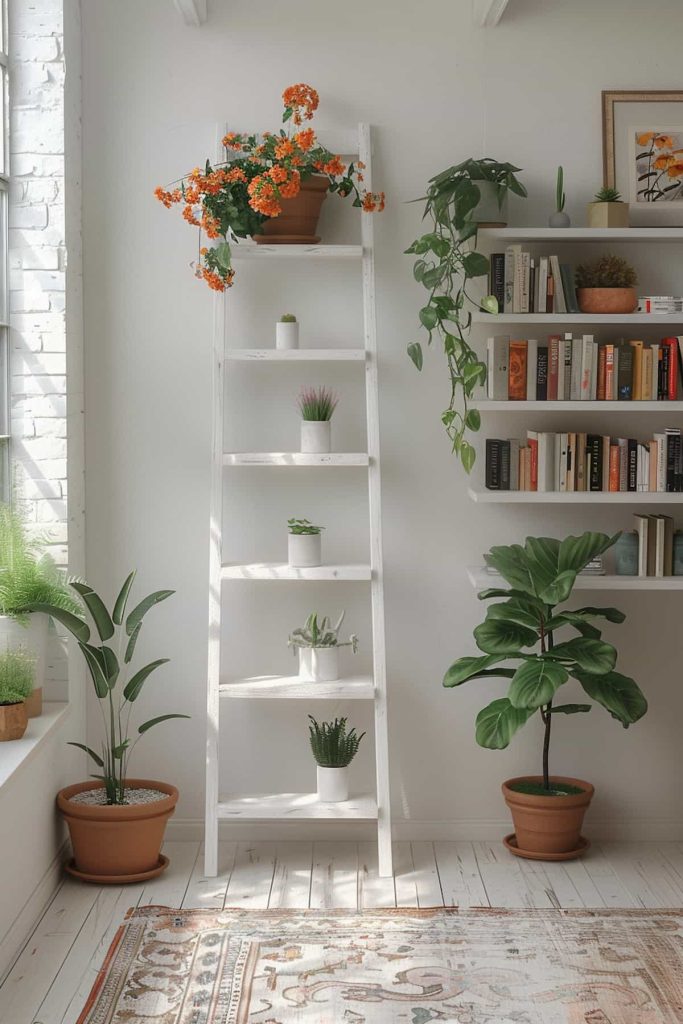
333, 749
317, 406
538, 647
607, 285
304, 546
116, 823
16, 684
287, 332
318, 646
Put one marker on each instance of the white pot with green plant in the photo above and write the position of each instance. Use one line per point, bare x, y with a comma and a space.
608, 210
316, 406
304, 544
287, 332
559, 219
333, 749
318, 647
16, 684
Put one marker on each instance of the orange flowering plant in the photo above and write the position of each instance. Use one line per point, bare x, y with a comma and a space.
659, 166
232, 199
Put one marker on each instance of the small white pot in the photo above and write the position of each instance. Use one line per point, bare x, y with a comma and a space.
304, 550
32, 638
316, 436
333, 785
487, 210
321, 664
287, 334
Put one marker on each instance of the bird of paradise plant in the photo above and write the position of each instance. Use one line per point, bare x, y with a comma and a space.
231, 199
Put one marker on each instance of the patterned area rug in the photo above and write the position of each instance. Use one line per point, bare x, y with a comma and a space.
392, 967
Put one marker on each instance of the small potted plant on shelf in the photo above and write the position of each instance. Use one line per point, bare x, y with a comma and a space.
287, 332
559, 219
16, 684
304, 547
318, 645
524, 626
606, 286
333, 749
116, 823
317, 406
608, 210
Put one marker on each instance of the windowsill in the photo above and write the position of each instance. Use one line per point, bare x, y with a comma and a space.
15, 752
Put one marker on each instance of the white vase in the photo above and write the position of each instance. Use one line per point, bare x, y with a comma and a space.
487, 210
333, 784
304, 550
32, 638
559, 219
287, 334
316, 436
321, 664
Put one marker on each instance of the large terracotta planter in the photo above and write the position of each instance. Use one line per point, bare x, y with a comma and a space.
607, 300
118, 843
13, 721
548, 824
299, 218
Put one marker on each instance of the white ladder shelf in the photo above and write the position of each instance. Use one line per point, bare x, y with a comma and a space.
274, 806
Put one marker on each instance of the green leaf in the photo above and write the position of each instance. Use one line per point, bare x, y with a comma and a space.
577, 552
512, 564
560, 588
415, 353
77, 627
110, 665
498, 722
134, 685
535, 683
467, 456
570, 709
473, 668
473, 419
514, 611
120, 750
618, 694
81, 746
611, 614
475, 265
542, 554
495, 636
529, 600
569, 619
92, 657
428, 317
141, 610
122, 599
96, 607
419, 268
594, 656
130, 647
155, 721
489, 304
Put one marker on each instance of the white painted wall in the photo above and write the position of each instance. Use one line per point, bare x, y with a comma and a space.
438, 90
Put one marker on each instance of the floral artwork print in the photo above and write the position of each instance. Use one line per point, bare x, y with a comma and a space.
658, 165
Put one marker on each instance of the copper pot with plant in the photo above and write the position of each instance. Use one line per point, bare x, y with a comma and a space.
525, 625
606, 286
116, 823
16, 685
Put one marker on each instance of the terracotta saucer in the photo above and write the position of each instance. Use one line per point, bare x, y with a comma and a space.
286, 239
143, 876
511, 843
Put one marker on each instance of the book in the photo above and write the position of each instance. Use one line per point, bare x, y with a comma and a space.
646, 379
654, 380
497, 278
542, 373
585, 382
531, 369
493, 474
553, 366
561, 454
517, 371
568, 346
614, 467
581, 462
542, 285
632, 465
610, 384
546, 461
525, 276
625, 373
594, 462
497, 353
672, 367
514, 463
505, 465
509, 271
642, 523
601, 391
559, 304
637, 371
577, 355
532, 442
660, 440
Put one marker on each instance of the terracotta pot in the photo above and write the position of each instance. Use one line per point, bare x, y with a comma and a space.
299, 218
548, 824
117, 841
13, 721
34, 702
607, 300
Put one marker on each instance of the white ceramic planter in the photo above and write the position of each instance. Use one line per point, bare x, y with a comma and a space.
321, 664
304, 550
333, 785
316, 436
32, 638
487, 210
287, 334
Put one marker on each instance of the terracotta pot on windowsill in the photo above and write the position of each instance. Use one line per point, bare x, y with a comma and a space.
607, 300
13, 721
298, 221
548, 825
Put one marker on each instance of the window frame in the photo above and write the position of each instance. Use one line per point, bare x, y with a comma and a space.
5, 354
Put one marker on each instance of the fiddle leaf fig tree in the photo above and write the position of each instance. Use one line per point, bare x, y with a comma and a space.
446, 264
538, 648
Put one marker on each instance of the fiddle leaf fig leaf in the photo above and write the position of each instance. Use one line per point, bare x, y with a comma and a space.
512, 564
498, 722
559, 589
472, 668
535, 683
577, 552
593, 656
513, 611
618, 694
496, 636
570, 709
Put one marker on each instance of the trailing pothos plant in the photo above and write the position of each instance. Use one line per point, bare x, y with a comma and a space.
523, 626
447, 262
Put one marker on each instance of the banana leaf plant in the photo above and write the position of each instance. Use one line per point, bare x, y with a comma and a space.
109, 665
550, 645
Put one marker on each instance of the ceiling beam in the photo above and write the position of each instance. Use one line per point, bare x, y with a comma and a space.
487, 13
193, 12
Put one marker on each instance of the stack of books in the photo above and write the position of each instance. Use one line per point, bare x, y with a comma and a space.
660, 304
568, 368
523, 284
576, 461
655, 545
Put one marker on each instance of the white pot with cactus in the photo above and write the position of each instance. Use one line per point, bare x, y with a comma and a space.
317, 643
608, 210
316, 406
304, 546
559, 219
287, 332
333, 749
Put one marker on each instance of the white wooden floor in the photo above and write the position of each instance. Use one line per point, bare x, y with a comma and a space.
52, 977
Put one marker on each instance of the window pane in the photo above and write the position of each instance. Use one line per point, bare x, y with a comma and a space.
4, 311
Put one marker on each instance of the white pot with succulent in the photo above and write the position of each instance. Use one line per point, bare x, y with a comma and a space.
287, 332
317, 406
304, 546
608, 210
317, 643
333, 749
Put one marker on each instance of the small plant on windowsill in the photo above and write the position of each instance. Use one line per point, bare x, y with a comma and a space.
317, 406
16, 683
304, 543
318, 644
333, 749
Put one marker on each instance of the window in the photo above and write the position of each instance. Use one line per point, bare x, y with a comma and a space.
4, 245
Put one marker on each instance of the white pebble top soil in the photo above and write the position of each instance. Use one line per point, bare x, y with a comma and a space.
98, 797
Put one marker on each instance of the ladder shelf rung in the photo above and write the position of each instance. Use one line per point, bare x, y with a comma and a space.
295, 688
283, 571
295, 459
245, 251
295, 805
296, 355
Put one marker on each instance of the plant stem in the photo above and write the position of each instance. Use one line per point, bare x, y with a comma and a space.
547, 718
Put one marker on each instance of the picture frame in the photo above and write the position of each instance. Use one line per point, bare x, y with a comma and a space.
642, 139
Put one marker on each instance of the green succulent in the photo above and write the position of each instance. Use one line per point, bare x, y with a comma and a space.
321, 634
287, 318
608, 195
302, 526
607, 272
332, 745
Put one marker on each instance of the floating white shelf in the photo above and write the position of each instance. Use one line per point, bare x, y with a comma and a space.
581, 234
246, 251
294, 688
575, 497
649, 319
295, 459
488, 405
283, 571
481, 580
295, 355
295, 805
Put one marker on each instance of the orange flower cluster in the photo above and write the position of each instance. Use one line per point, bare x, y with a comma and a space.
657, 140
373, 202
267, 190
305, 139
302, 100
215, 281
232, 141
168, 198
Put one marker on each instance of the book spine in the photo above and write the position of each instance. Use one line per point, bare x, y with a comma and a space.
493, 464
672, 376
509, 278
568, 347
614, 467
601, 393
505, 465
632, 466
586, 365
594, 451
497, 278
531, 369
553, 366
637, 371
625, 378
517, 371
542, 373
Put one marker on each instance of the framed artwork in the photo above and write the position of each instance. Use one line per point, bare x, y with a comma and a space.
642, 139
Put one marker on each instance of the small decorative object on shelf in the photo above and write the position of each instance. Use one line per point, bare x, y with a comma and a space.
522, 627
446, 263
16, 684
317, 406
318, 645
287, 332
304, 547
333, 749
606, 286
559, 219
667, 304
678, 553
626, 554
608, 210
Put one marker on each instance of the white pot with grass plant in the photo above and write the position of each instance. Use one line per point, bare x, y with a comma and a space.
317, 406
317, 644
333, 749
304, 546
287, 332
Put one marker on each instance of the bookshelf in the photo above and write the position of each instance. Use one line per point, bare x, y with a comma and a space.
633, 498
480, 579
649, 319
627, 408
